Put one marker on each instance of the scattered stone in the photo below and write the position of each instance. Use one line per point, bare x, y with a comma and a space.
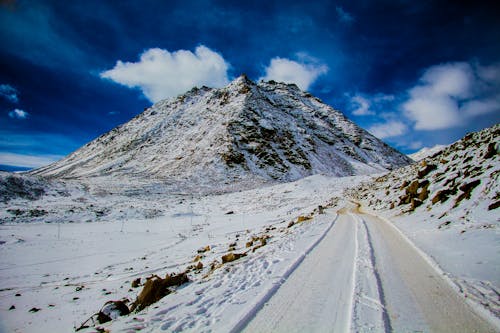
12, 307
230, 212
232, 257
490, 151
494, 205
303, 218
17, 295
112, 310
412, 189
426, 170
444, 224
197, 258
33, 310
79, 288
441, 196
199, 266
415, 203
466, 191
156, 288
204, 249
136, 283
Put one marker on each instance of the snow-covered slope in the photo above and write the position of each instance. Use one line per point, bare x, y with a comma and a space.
245, 132
426, 152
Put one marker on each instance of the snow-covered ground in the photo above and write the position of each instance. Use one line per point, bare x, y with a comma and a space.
65, 272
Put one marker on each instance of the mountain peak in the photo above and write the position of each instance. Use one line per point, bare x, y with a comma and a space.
245, 133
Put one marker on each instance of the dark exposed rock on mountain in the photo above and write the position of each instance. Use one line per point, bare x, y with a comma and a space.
245, 132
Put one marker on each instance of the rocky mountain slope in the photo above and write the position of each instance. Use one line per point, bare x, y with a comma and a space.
462, 177
243, 133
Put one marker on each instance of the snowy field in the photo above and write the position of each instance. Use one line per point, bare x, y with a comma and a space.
55, 276
69, 270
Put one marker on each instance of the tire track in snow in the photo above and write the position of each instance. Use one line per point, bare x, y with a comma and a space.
318, 294
369, 311
418, 298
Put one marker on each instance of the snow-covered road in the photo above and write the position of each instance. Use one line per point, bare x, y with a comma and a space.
318, 294
366, 276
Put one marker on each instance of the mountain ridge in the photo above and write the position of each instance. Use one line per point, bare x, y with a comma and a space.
244, 132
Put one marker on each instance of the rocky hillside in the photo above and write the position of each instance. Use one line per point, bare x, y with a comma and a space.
460, 178
244, 132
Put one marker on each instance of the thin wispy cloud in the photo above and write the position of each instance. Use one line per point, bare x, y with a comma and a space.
18, 114
27, 161
9, 93
344, 16
368, 105
303, 72
160, 73
33, 32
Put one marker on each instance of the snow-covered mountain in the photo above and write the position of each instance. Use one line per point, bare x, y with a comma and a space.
426, 152
245, 132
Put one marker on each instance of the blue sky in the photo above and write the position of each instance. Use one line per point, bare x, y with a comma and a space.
415, 73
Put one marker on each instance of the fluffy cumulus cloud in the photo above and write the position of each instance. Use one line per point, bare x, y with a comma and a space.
161, 74
18, 114
391, 128
303, 72
450, 94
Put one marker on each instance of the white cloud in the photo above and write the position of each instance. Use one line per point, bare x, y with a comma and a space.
9, 93
161, 74
448, 95
361, 105
453, 79
302, 73
368, 105
18, 114
432, 112
27, 161
389, 129
344, 16
415, 145
476, 108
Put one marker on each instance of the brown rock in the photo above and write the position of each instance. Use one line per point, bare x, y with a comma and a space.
412, 189
426, 170
441, 196
232, 257
494, 205
156, 288
136, 283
